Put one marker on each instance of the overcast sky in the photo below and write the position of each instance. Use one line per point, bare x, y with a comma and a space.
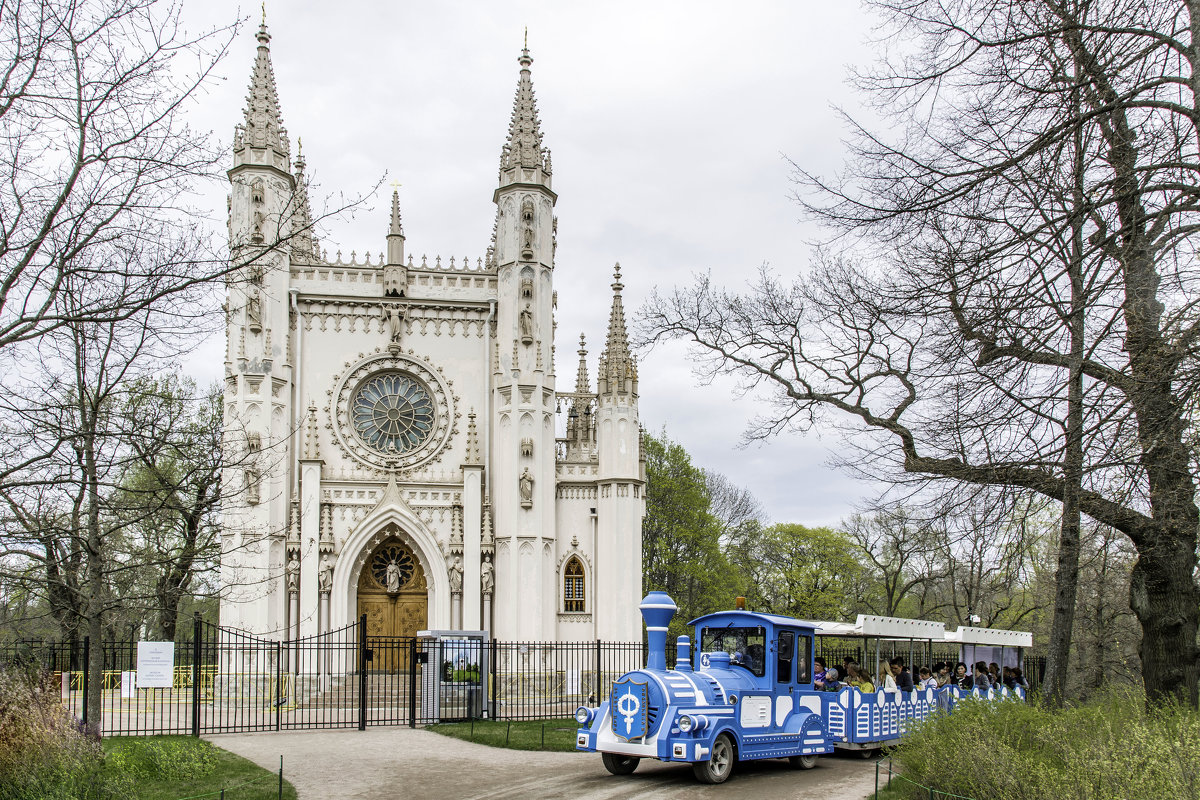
668, 124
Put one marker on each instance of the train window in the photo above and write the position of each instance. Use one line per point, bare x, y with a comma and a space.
747, 647
787, 651
803, 653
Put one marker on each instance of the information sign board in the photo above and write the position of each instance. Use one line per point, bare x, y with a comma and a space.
155, 665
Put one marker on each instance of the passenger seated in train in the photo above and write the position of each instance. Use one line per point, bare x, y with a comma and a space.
1019, 678
982, 681
927, 679
887, 681
962, 678
819, 674
831, 680
859, 679
994, 673
941, 671
904, 681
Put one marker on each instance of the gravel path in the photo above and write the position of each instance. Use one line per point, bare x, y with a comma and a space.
394, 762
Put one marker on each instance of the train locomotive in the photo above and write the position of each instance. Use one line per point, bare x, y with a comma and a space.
751, 697
748, 693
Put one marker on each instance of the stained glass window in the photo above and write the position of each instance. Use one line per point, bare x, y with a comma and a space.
392, 413
573, 597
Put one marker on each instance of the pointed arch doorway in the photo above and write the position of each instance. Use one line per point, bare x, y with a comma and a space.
394, 595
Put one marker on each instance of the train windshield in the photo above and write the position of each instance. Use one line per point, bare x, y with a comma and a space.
747, 647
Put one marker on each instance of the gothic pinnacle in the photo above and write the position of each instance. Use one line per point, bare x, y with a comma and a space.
397, 227
524, 145
617, 362
263, 125
582, 384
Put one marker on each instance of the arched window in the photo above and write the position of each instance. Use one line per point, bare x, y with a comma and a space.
573, 591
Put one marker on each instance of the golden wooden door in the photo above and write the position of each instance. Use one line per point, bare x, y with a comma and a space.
392, 616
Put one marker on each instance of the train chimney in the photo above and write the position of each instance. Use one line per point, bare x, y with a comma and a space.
683, 654
657, 609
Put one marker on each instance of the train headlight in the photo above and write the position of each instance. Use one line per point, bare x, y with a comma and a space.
583, 715
685, 723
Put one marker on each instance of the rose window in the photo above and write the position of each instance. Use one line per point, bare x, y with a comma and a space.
387, 555
393, 413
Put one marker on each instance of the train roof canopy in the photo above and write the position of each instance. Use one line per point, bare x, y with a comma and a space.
871, 626
990, 636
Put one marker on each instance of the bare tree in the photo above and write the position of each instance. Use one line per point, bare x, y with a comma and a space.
1020, 309
900, 551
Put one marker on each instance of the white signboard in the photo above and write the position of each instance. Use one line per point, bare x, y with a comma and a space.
155, 665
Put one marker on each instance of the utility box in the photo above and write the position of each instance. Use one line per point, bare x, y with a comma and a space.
455, 676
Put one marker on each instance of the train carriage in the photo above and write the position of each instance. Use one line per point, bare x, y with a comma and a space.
746, 693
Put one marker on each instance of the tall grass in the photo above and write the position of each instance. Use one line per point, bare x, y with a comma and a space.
1110, 747
43, 753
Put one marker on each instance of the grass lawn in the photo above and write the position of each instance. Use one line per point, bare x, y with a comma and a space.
175, 767
539, 734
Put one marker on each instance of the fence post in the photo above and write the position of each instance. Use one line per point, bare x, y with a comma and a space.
877, 778
493, 670
280, 777
362, 672
197, 632
87, 663
597, 699
278, 683
412, 682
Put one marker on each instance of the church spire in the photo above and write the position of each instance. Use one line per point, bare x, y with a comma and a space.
263, 125
524, 145
618, 368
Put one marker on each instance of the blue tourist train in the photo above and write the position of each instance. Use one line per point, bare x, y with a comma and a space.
748, 693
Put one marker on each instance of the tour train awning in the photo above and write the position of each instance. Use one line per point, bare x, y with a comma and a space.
990, 637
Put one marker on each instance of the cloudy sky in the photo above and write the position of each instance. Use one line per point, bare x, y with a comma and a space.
668, 123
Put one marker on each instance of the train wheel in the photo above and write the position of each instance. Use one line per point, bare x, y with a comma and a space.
803, 762
619, 765
719, 764
871, 752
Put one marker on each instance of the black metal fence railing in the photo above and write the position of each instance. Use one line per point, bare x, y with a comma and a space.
225, 680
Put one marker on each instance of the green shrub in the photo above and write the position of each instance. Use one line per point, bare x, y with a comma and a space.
1109, 747
43, 753
166, 759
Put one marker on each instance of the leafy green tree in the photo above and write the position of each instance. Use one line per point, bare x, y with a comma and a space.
681, 537
811, 573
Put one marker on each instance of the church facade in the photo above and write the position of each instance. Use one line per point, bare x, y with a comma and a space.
396, 442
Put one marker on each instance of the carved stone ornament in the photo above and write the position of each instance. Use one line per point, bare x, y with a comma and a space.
525, 485
434, 411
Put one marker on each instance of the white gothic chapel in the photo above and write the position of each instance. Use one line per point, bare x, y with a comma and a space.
391, 423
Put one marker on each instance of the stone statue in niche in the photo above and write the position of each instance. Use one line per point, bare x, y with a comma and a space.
487, 575
525, 325
253, 441
525, 485
456, 575
254, 311
527, 228
293, 573
325, 577
393, 315
393, 577
251, 478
